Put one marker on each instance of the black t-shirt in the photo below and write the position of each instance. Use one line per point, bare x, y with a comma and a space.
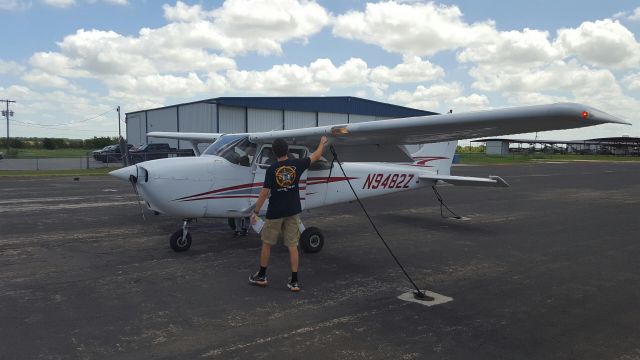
282, 178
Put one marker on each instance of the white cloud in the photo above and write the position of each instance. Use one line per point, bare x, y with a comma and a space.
554, 77
182, 12
416, 29
10, 67
604, 43
319, 77
59, 3
117, 2
440, 98
632, 81
636, 15
240, 26
15, 5
38, 78
412, 70
322, 76
512, 48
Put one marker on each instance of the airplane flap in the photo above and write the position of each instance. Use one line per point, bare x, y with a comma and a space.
491, 181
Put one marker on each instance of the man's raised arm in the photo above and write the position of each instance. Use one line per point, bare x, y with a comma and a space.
318, 153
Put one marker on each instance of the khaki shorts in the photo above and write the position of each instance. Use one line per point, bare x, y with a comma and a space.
288, 226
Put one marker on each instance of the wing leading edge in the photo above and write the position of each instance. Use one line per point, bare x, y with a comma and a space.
447, 127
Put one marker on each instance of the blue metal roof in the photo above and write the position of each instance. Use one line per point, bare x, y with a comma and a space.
333, 104
336, 104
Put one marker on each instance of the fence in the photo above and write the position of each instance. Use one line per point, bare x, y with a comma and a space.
89, 161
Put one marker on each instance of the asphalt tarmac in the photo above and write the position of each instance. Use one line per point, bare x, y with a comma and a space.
547, 269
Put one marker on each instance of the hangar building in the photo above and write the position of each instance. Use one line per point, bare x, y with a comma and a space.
253, 114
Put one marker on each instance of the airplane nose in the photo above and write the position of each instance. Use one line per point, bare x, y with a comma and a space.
125, 172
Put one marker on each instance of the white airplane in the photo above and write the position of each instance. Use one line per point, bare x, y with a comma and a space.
224, 181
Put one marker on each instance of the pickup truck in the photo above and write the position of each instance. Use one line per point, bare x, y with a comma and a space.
156, 151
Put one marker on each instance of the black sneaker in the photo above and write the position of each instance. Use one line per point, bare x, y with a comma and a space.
293, 286
236, 234
257, 279
244, 232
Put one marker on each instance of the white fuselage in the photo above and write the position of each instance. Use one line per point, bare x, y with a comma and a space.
210, 186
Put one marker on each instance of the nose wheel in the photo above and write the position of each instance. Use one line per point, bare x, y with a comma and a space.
181, 239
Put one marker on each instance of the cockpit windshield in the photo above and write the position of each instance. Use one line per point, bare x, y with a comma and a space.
237, 149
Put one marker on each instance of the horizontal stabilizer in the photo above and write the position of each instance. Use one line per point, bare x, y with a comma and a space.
491, 181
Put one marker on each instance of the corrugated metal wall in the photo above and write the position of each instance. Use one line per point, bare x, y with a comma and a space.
360, 118
199, 117
299, 119
332, 118
137, 129
232, 119
264, 120
163, 120
211, 118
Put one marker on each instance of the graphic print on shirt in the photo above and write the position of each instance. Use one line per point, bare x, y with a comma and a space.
285, 176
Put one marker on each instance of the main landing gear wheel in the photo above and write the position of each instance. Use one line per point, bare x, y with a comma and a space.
311, 240
232, 223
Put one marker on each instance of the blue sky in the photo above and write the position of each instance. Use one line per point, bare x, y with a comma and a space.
70, 60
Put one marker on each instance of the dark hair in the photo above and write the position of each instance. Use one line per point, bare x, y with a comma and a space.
280, 147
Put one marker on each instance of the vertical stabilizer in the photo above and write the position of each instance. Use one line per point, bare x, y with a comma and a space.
436, 157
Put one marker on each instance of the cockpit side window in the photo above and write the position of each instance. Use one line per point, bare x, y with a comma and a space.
267, 157
237, 149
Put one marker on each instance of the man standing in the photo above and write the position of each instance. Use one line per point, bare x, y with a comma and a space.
281, 183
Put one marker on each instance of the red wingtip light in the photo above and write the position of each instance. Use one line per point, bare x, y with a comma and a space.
585, 114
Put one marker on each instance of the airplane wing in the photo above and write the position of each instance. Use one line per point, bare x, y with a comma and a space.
194, 138
197, 137
447, 127
491, 181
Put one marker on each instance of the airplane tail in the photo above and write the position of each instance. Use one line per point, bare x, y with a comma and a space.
436, 157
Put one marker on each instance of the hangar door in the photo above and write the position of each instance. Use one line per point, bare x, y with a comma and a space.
264, 120
136, 128
199, 118
232, 119
163, 120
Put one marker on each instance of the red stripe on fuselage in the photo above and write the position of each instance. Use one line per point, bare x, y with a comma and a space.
236, 187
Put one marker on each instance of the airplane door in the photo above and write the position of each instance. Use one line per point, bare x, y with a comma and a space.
265, 158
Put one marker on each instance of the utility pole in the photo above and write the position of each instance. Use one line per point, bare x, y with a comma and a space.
7, 113
119, 131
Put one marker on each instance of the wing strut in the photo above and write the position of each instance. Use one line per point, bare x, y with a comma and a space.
418, 294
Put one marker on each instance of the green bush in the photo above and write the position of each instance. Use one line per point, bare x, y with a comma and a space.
48, 144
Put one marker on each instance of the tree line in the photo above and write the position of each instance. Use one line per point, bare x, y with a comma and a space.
58, 143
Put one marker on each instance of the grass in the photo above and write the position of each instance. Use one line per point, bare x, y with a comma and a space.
43, 153
483, 159
47, 173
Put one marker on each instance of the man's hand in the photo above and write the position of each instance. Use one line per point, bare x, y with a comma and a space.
318, 153
254, 218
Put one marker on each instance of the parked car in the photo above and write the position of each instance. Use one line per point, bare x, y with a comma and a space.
96, 154
156, 151
100, 155
110, 153
114, 155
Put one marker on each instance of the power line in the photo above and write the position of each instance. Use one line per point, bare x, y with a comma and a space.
23, 124
69, 123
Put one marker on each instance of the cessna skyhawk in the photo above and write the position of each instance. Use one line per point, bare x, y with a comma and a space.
225, 179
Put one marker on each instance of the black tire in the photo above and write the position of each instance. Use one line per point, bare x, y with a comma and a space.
177, 243
311, 240
232, 223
